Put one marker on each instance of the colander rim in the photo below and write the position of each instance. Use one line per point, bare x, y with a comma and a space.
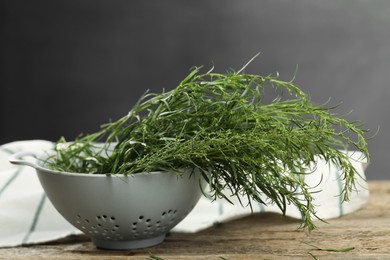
40, 167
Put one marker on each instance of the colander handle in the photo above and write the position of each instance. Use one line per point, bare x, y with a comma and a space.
19, 159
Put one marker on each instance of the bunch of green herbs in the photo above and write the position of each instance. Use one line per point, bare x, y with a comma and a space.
222, 125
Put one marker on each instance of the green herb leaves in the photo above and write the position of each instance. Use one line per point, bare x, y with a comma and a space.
222, 125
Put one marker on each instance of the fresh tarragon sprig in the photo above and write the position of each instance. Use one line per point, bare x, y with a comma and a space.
223, 125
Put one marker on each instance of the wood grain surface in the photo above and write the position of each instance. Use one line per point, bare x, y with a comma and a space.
364, 234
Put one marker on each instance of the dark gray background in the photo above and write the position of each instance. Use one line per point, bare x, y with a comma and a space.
69, 66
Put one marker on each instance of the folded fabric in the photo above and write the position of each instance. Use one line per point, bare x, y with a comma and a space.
27, 216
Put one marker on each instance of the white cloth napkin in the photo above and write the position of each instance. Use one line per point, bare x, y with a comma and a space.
27, 216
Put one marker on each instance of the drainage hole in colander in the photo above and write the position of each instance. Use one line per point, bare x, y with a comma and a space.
169, 212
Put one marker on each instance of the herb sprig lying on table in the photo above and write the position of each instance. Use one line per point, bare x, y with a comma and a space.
222, 125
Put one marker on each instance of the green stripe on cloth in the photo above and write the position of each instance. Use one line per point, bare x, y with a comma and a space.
262, 207
220, 208
35, 219
340, 185
6, 150
10, 180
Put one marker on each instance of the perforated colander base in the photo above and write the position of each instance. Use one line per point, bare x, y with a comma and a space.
107, 231
148, 227
101, 227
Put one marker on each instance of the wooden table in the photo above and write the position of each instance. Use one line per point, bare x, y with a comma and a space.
364, 234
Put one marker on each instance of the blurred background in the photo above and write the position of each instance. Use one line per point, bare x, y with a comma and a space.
66, 67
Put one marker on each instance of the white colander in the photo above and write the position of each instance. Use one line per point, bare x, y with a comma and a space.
119, 211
